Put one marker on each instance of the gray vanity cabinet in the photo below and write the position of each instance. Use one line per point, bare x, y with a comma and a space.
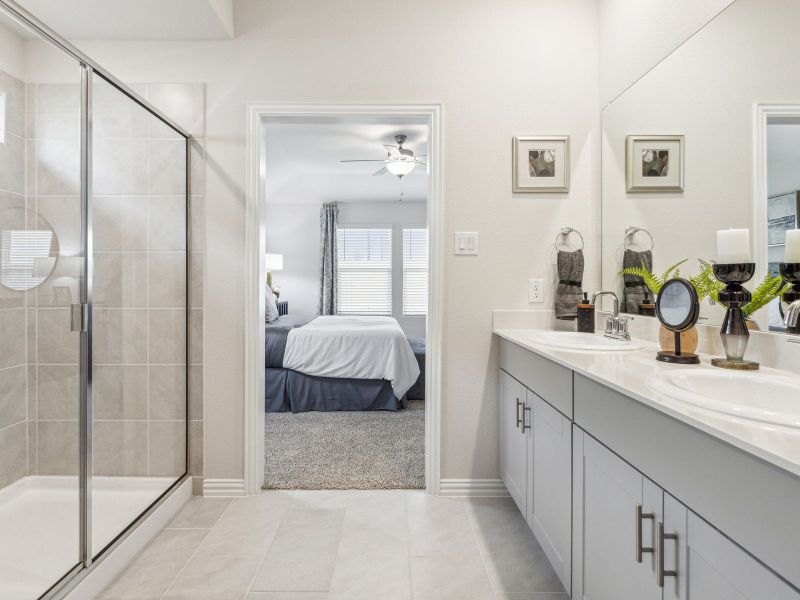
513, 440
710, 566
536, 455
615, 513
621, 516
550, 487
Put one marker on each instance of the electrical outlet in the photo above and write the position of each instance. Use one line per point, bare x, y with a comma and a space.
535, 290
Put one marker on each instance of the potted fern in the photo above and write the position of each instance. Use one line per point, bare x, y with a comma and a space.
707, 286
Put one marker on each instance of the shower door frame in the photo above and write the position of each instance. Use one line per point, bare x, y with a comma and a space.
88, 559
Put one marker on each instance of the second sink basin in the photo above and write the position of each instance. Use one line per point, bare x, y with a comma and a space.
573, 340
756, 396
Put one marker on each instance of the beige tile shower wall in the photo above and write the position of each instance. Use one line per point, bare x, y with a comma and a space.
140, 291
13, 349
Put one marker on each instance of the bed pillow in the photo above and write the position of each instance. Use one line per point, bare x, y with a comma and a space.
272, 308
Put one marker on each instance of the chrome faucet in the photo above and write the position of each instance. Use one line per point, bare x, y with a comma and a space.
616, 326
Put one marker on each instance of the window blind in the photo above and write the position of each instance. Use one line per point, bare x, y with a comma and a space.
415, 272
364, 273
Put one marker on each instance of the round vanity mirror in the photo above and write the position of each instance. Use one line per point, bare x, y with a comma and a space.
677, 307
28, 249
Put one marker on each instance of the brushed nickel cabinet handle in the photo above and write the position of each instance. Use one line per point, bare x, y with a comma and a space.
525, 409
661, 572
639, 517
519, 420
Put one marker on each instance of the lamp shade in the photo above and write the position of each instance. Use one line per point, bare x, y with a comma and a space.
274, 262
400, 167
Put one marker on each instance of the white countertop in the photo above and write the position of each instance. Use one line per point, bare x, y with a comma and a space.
628, 372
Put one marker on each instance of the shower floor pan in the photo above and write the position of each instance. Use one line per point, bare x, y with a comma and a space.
39, 527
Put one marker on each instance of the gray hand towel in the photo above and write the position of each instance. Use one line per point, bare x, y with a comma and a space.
634, 285
570, 279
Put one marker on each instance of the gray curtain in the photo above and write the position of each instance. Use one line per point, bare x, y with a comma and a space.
328, 221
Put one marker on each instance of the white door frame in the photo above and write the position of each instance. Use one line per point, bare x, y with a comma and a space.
255, 247
762, 113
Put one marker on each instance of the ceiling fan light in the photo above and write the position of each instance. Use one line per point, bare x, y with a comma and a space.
400, 167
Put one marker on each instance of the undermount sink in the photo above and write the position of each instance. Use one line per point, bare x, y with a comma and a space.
755, 396
573, 340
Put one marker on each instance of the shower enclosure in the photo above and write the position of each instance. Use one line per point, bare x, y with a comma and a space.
94, 190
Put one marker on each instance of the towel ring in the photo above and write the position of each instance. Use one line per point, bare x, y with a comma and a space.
565, 232
632, 231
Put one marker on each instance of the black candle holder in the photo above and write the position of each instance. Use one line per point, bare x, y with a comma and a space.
734, 331
791, 274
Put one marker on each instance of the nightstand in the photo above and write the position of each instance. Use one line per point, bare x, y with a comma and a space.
283, 307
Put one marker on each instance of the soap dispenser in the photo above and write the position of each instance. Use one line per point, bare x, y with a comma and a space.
585, 315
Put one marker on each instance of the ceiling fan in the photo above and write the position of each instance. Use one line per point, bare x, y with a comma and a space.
399, 161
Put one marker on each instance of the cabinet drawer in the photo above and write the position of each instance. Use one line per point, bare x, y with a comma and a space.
549, 380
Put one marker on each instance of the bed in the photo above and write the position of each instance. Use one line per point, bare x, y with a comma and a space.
333, 363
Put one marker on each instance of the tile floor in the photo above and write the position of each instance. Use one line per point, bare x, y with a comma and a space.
335, 545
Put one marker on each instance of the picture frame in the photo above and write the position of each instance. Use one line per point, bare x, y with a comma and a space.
654, 163
540, 163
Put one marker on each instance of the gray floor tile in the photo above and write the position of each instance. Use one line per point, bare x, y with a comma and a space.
200, 513
439, 527
302, 555
449, 578
514, 560
287, 596
152, 572
534, 596
372, 564
217, 578
246, 528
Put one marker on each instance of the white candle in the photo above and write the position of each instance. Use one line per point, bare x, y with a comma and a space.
792, 246
733, 246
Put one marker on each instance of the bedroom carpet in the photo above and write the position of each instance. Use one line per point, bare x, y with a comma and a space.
345, 450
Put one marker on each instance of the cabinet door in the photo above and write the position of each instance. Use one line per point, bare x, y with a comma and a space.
710, 566
606, 492
550, 510
513, 459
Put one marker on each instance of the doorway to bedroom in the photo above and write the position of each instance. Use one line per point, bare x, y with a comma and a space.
346, 289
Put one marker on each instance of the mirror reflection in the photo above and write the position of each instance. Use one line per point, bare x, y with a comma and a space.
28, 249
680, 166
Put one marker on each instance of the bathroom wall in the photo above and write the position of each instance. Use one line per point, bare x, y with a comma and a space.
635, 36
499, 69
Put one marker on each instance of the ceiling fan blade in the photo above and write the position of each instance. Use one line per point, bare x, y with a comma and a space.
392, 150
381, 171
363, 160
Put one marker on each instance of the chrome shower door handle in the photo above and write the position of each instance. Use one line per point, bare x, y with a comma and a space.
661, 573
79, 314
525, 409
640, 516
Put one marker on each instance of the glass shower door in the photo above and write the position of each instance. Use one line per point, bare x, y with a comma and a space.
41, 268
138, 299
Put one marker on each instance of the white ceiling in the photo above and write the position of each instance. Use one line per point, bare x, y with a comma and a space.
136, 20
303, 160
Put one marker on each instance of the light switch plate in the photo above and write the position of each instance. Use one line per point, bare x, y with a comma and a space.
536, 290
466, 243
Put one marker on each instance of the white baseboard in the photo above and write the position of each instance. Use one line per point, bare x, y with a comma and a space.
220, 488
106, 571
472, 487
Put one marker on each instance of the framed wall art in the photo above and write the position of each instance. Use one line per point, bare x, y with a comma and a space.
654, 163
541, 163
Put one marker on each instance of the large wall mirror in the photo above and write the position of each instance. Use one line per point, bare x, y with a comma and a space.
709, 139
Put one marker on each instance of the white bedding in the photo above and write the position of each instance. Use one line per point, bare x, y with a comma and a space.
353, 347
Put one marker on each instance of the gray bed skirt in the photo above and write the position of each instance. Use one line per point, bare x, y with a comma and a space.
291, 391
